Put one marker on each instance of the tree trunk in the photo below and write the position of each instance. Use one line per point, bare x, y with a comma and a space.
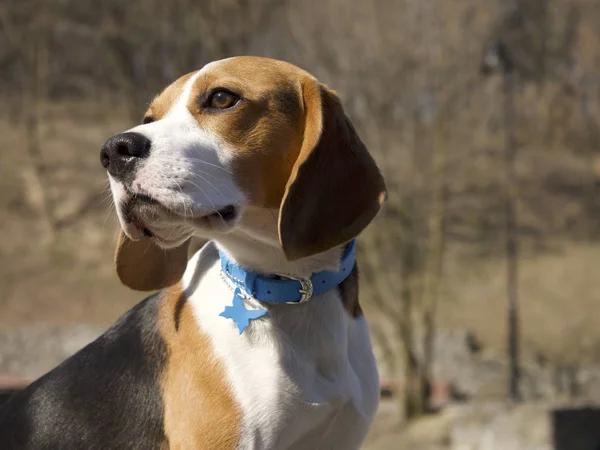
589, 109
433, 270
34, 95
511, 235
414, 400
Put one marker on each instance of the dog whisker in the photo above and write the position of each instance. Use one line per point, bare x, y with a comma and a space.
210, 164
214, 207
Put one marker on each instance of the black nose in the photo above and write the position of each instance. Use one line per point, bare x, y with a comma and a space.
120, 153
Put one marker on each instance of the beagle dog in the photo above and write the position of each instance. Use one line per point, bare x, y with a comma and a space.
258, 341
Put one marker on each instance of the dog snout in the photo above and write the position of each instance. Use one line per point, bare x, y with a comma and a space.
120, 153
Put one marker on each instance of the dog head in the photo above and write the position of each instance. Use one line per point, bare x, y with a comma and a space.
241, 138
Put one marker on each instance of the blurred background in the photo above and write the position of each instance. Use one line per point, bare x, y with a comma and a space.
480, 276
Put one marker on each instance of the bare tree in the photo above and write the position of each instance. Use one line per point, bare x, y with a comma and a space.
512, 255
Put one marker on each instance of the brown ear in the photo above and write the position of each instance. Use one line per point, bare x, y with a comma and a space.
143, 266
335, 188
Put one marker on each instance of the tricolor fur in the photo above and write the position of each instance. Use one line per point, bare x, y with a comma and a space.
279, 180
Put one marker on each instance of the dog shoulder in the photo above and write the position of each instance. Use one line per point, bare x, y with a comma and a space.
111, 388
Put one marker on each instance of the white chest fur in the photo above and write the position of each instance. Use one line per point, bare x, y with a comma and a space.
304, 375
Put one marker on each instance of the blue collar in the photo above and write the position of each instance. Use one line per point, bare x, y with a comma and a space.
279, 289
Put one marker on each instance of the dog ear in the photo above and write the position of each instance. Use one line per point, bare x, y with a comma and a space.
335, 188
143, 266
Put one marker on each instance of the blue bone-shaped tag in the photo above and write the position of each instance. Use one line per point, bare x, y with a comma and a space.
238, 312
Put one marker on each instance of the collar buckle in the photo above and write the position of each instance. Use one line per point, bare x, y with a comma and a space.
306, 288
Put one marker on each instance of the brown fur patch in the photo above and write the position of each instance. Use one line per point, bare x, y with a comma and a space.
163, 102
200, 409
143, 266
265, 128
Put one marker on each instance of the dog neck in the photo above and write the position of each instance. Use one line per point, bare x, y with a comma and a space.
255, 246
268, 258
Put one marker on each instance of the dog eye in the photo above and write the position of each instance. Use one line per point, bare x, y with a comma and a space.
222, 100
148, 119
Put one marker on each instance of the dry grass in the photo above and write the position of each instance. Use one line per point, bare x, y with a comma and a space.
559, 296
67, 278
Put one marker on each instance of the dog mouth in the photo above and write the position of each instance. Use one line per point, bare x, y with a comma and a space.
143, 215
